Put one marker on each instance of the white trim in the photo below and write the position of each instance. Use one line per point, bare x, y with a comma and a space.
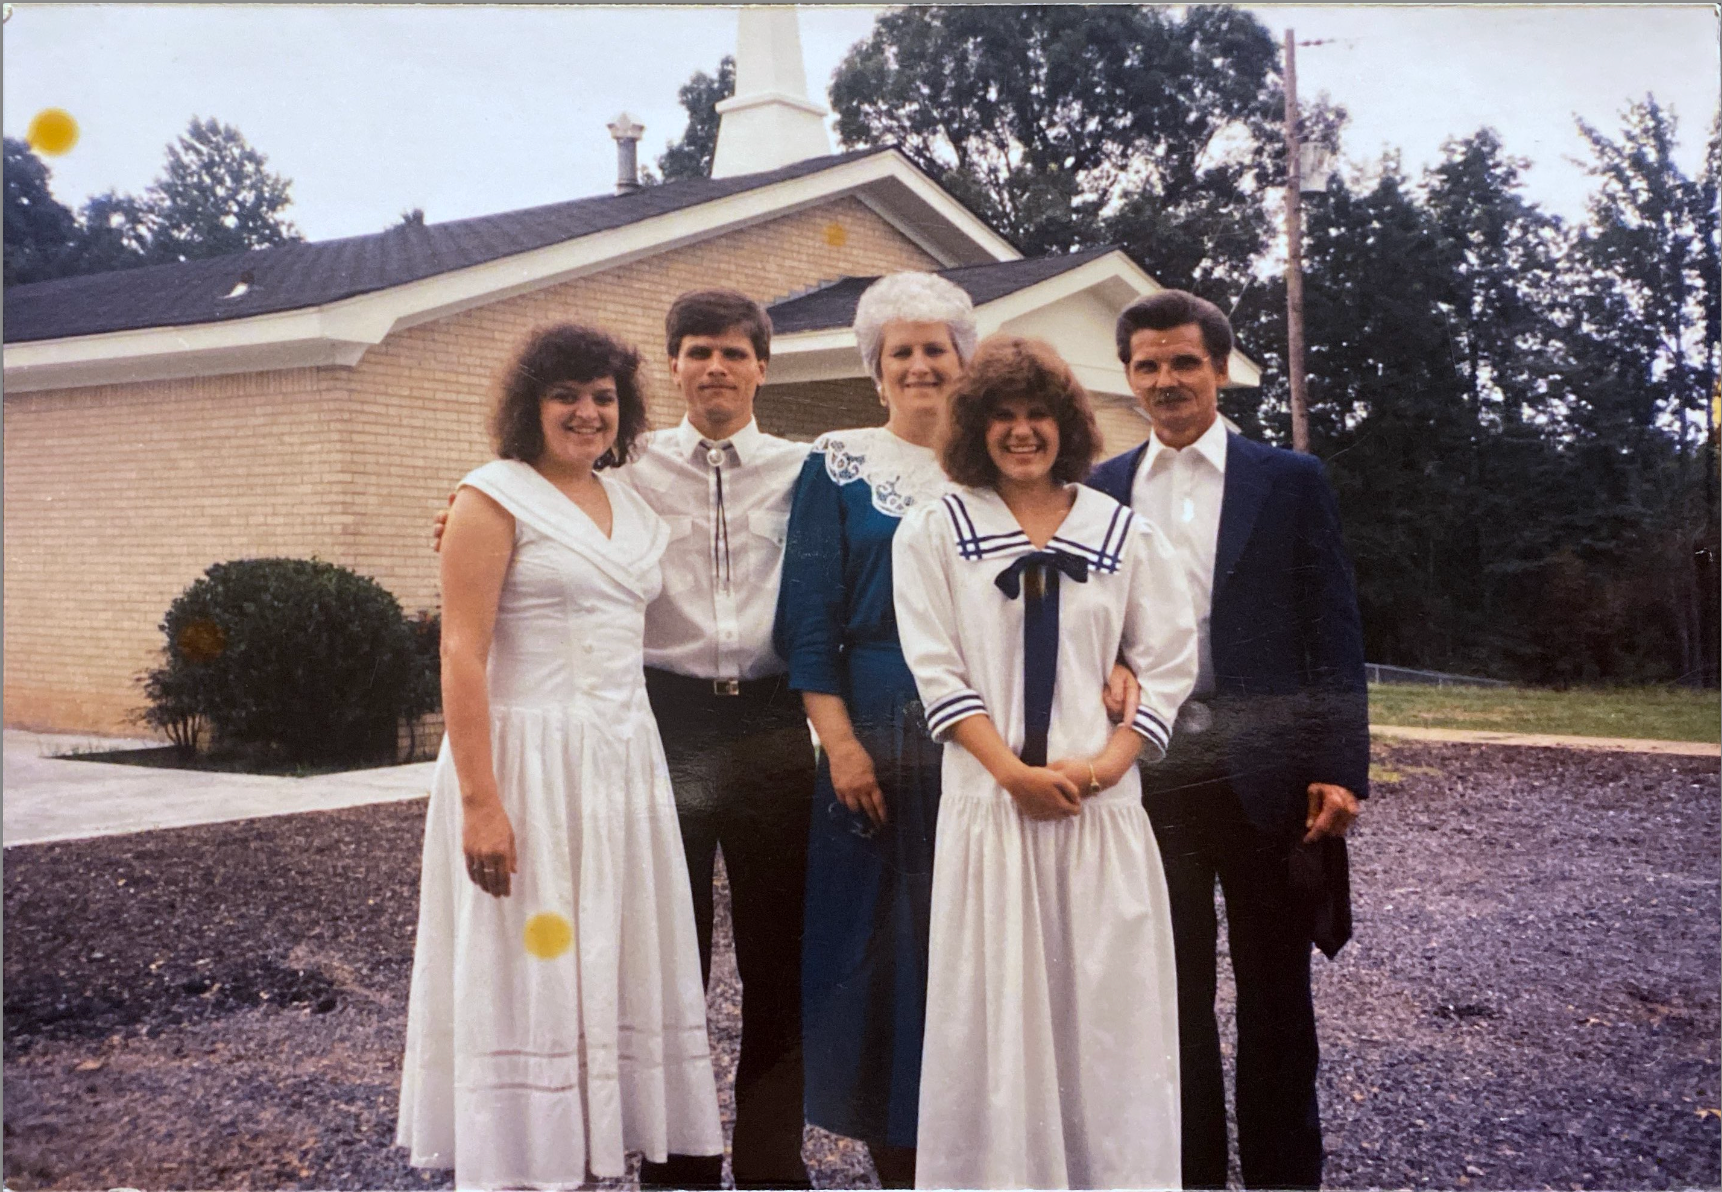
340, 332
760, 99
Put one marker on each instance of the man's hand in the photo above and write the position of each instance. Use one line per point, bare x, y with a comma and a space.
440, 526
1121, 694
1331, 811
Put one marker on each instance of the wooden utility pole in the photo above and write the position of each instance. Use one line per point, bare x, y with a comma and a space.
1294, 257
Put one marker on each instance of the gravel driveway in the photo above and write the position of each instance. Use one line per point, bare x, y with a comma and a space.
1531, 1000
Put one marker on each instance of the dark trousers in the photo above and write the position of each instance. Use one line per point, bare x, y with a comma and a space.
742, 767
1203, 837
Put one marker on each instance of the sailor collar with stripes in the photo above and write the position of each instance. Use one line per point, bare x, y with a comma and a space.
1095, 530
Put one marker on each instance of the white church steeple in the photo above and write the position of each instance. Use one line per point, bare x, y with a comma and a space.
770, 121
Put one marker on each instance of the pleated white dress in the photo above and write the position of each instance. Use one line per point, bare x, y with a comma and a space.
551, 1031
1051, 1051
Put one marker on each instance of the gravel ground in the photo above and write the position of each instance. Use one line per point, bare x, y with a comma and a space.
1531, 1000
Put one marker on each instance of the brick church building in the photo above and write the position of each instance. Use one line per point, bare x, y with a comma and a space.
321, 399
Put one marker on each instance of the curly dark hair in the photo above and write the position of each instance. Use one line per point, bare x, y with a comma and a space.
550, 356
1007, 367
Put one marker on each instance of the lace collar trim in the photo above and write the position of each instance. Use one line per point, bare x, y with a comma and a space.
898, 474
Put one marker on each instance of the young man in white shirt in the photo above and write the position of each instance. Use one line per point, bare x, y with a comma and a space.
734, 733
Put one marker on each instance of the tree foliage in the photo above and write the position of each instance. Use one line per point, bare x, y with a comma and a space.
691, 157
40, 230
1510, 410
1067, 127
215, 195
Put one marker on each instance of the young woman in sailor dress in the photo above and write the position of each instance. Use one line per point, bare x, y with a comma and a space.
1051, 1050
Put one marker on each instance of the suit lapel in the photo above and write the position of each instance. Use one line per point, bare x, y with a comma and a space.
1247, 485
1120, 481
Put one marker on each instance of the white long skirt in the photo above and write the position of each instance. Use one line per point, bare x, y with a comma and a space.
551, 1031
1051, 1052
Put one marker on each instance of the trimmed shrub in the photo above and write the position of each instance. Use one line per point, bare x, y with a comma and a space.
296, 657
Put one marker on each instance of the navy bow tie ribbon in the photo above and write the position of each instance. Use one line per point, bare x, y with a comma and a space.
1039, 638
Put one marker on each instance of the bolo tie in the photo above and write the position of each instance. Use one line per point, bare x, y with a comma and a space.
720, 531
1035, 578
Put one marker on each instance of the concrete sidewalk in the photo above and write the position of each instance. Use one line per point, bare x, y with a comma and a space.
55, 798
48, 797
1549, 741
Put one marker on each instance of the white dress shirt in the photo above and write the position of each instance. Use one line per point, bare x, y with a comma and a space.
721, 572
1180, 493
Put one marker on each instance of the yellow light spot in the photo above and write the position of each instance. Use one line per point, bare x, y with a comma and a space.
52, 131
201, 640
836, 235
548, 935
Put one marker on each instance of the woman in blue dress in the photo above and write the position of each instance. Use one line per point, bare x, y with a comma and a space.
870, 847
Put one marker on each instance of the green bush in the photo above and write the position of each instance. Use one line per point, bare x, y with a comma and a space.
294, 657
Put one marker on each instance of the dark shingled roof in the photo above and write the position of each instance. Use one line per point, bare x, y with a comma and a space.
834, 305
293, 276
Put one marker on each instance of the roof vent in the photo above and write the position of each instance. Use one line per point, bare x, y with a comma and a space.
627, 133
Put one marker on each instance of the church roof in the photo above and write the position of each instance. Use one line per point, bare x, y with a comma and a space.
833, 305
302, 274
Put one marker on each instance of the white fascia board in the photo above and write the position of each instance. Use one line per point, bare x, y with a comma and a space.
340, 332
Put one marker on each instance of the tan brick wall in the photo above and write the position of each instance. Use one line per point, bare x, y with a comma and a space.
807, 409
117, 497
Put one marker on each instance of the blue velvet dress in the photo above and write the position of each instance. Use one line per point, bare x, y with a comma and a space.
864, 959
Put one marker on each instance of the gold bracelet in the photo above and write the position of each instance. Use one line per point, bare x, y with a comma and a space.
1093, 780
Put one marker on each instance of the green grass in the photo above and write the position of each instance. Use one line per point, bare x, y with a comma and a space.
1655, 713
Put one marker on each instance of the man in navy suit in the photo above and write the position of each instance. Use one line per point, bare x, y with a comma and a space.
1271, 753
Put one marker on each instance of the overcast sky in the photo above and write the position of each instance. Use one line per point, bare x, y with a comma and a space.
468, 110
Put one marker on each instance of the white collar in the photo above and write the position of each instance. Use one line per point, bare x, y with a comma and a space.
744, 441
898, 474
1095, 530
1211, 447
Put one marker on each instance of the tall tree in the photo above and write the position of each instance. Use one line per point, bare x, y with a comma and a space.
1644, 352
40, 230
1066, 127
216, 195
691, 157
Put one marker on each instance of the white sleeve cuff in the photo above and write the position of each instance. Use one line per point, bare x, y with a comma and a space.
1154, 730
943, 714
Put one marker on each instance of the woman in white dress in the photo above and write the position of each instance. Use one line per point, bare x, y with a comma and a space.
557, 1018
1051, 1050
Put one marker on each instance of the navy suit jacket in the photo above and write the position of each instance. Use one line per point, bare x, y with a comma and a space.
1286, 640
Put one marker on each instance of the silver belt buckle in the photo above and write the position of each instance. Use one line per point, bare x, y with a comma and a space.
726, 686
